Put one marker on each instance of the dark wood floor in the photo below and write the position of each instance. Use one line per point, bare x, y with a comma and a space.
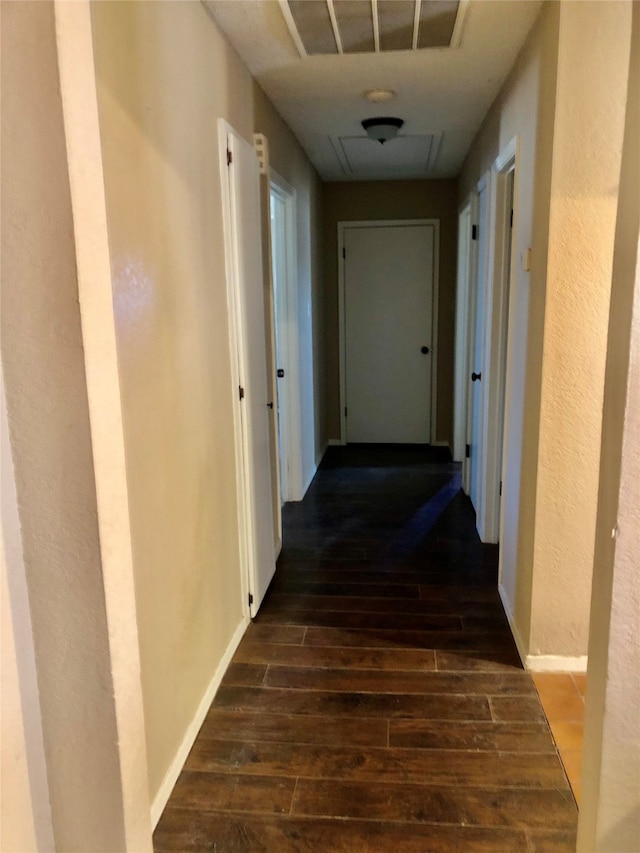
377, 703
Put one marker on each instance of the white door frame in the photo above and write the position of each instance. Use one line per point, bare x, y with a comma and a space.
292, 487
237, 345
462, 333
483, 184
501, 277
382, 223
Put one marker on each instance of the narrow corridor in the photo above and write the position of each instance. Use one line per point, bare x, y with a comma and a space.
377, 703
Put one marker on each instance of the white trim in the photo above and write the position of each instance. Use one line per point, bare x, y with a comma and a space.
456, 35
441, 444
224, 128
334, 26
168, 783
376, 25
496, 325
343, 226
461, 355
335, 442
320, 456
483, 185
512, 625
556, 663
312, 474
540, 663
289, 197
293, 29
416, 25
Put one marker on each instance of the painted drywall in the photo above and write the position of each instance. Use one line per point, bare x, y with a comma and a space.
164, 76
610, 805
364, 200
558, 96
524, 108
593, 62
43, 362
25, 816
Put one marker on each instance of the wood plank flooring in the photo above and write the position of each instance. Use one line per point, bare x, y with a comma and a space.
377, 703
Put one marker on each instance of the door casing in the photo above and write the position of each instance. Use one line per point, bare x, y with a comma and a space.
287, 349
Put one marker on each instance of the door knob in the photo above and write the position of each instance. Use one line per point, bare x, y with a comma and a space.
280, 373
424, 350
476, 376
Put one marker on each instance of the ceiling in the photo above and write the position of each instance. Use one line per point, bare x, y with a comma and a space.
442, 93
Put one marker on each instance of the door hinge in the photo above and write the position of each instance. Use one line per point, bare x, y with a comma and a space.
241, 392
467, 451
344, 252
250, 599
229, 157
511, 220
500, 492
474, 232
345, 411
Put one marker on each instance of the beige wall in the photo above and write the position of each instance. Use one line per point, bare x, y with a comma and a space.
593, 62
165, 75
25, 816
525, 107
393, 200
557, 97
610, 806
43, 361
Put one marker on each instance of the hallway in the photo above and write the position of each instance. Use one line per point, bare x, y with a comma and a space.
377, 702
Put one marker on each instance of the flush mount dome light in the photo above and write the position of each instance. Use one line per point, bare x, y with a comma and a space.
382, 129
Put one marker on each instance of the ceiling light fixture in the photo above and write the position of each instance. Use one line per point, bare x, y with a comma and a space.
379, 96
382, 129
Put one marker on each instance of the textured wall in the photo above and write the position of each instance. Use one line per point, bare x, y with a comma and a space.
593, 62
610, 807
363, 200
51, 443
525, 107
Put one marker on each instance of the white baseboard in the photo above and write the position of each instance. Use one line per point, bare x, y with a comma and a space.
514, 630
540, 663
312, 474
556, 663
169, 781
320, 456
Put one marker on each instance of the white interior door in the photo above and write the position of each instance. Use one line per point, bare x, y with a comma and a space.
250, 319
476, 472
462, 336
278, 265
388, 281
503, 311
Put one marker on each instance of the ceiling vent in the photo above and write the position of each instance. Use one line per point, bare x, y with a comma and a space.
358, 26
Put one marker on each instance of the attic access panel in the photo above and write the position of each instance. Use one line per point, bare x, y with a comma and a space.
405, 155
366, 26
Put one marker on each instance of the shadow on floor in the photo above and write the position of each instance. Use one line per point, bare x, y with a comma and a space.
377, 702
